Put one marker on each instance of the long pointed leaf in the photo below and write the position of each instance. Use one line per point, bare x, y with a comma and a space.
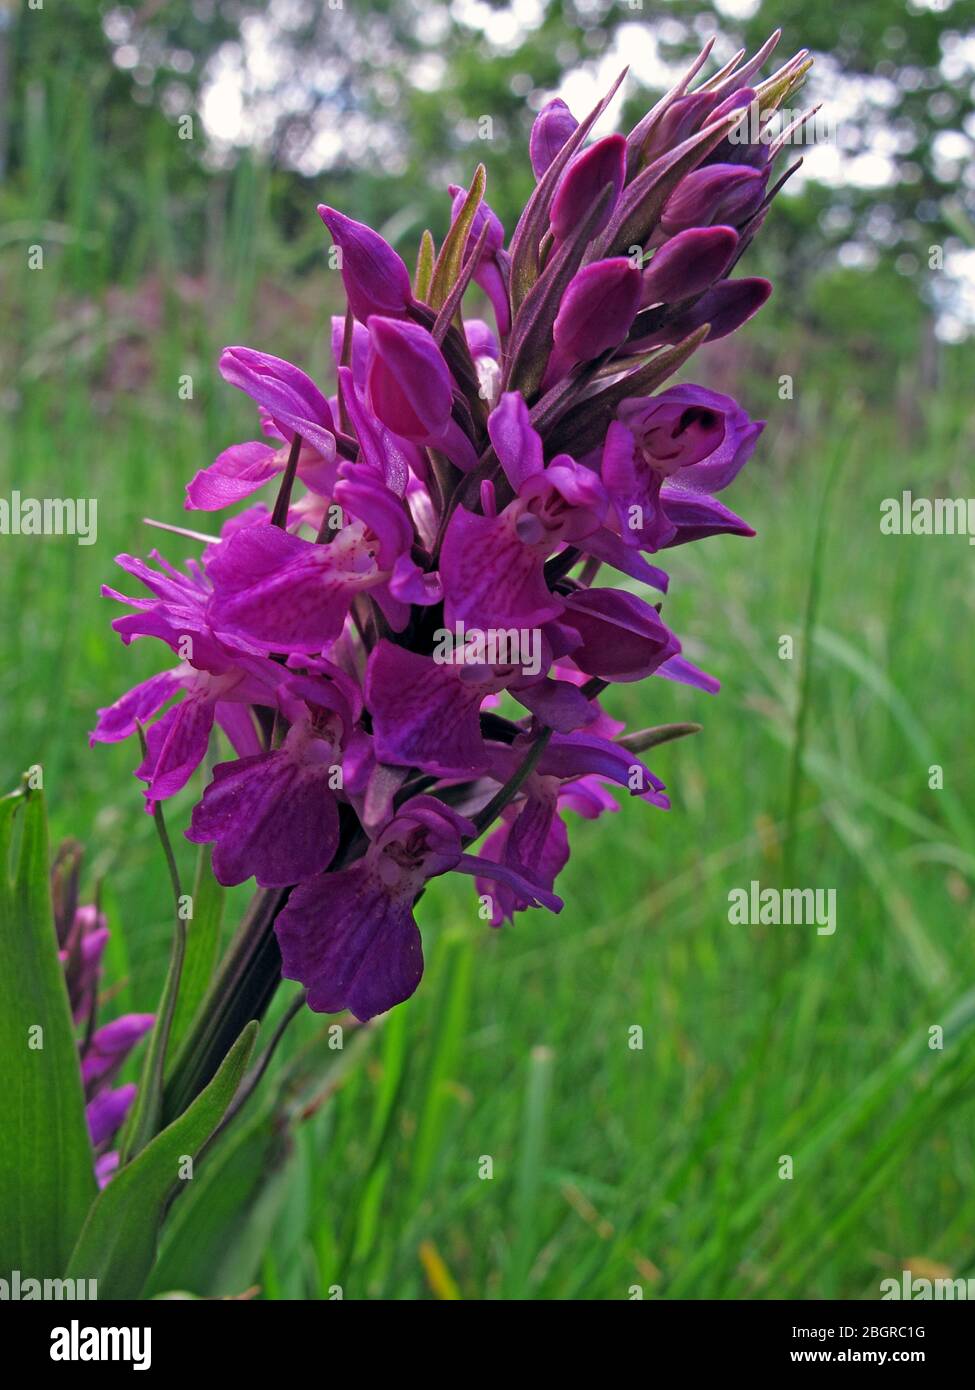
118, 1243
46, 1173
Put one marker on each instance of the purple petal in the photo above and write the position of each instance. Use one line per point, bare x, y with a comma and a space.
409, 381
273, 816
607, 546
375, 278
424, 715
284, 592
584, 180
623, 638
717, 193
572, 755
236, 473
107, 1111
106, 1166
679, 669
516, 443
552, 127
725, 307
286, 392
597, 309
694, 516
559, 704
136, 706
111, 1044
176, 745
350, 942
530, 894
688, 264
490, 578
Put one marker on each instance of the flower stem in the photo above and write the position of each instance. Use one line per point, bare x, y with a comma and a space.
279, 517
241, 990
499, 801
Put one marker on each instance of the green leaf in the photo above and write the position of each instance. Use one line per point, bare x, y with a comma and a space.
451, 256
46, 1174
204, 1242
118, 1243
202, 945
144, 1121
424, 266
144, 1117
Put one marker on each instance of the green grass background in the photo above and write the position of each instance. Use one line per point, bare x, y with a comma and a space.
615, 1169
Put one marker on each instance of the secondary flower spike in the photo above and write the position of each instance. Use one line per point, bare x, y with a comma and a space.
397, 659
102, 1051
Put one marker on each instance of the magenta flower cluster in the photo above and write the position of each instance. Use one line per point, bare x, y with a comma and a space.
405, 644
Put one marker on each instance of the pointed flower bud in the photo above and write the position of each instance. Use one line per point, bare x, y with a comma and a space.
553, 126
375, 278
622, 637
410, 388
725, 307
601, 164
737, 148
660, 131
109, 1047
687, 264
726, 193
597, 309
107, 1111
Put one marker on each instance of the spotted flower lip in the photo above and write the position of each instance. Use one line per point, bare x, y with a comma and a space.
351, 936
690, 428
510, 478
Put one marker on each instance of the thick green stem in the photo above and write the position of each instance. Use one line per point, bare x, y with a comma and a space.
241, 990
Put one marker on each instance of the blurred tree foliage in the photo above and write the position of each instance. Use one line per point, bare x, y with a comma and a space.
377, 106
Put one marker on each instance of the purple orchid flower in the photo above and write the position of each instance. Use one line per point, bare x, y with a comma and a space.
287, 594
351, 937
102, 1051
220, 682
274, 816
293, 401
663, 458
425, 713
421, 626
